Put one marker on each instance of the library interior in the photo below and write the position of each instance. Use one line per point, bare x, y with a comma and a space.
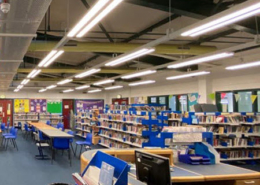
130, 92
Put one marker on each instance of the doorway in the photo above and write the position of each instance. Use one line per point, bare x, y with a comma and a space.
6, 111
67, 109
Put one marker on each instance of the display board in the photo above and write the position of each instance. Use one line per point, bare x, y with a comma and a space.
21, 105
139, 100
193, 100
54, 106
38, 105
85, 105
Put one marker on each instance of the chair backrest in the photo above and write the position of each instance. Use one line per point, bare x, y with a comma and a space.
48, 122
26, 127
19, 124
60, 125
12, 130
33, 129
2, 126
61, 143
15, 132
8, 124
89, 138
71, 133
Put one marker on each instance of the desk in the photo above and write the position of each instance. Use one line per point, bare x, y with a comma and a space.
185, 174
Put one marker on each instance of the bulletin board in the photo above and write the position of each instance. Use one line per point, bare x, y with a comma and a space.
21, 105
54, 106
38, 105
85, 105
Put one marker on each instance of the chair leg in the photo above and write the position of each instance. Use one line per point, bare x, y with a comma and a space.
72, 148
7, 141
52, 157
15, 144
75, 153
12, 140
69, 156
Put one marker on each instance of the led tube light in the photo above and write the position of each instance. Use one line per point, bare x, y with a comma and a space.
224, 21
42, 90
188, 75
201, 60
82, 87
104, 82
93, 91
64, 81
36, 73
87, 73
16, 90
143, 73
25, 81
243, 66
20, 87
114, 87
53, 58
31, 73
51, 86
96, 8
47, 58
68, 90
142, 83
130, 56
99, 17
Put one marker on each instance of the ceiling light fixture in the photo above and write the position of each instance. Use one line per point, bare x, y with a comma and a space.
93, 11
114, 87
64, 81
99, 17
59, 53
243, 66
224, 21
143, 73
34, 73
25, 81
201, 60
20, 87
47, 58
16, 90
188, 75
87, 73
130, 56
93, 91
68, 90
42, 90
51, 86
82, 87
142, 83
104, 82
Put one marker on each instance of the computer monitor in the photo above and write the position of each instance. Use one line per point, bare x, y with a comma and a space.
152, 169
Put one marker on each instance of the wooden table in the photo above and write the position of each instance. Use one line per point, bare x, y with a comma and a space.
184, 174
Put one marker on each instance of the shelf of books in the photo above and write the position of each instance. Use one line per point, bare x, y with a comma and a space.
86, 122
24, 117
236, 135
173, 118
44, 117
56, 118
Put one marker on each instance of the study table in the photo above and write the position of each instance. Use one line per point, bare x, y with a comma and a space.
184, 174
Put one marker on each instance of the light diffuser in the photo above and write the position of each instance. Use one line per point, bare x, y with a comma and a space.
188, 75
142, 83
64, 81
68, 90
114, 87
87, 73
104, 82
42, 90
243, 66
47, 58
25, 81
143, 73
51, 86
16, 90
59, 53
82, 87
93, 91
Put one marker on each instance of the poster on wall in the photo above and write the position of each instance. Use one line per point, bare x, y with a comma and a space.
38, 105
193, 100
54, 106
139, 100
21, 105
86, 105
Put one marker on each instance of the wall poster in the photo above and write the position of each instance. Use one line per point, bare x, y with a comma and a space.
54, 106
85, 105
21, 105
38, 105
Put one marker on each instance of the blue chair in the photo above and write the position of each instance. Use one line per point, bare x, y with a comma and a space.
71, 141
3, 127
27, 130
60, 144
11, 138
41, 142
11, 132
87, 143
7, 126
60, 126
19, 125
48, 122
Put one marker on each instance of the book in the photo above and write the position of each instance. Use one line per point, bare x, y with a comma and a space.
106, 174
78, 179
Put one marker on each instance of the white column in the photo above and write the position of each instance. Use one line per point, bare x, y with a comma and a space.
205, 88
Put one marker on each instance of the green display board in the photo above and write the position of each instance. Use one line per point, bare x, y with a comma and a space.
54, 106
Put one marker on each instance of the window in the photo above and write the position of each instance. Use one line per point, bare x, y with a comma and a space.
172, 103
245, 102
162, 100
183, 103
227, 102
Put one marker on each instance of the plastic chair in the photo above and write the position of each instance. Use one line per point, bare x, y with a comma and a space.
11, 138
71, 141
48, 122
20, 125
27, 130
11, 132
40, 143
7, 126
60, 126
87, 142
60, 144
3, 127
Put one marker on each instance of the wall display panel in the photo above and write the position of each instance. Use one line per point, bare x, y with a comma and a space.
172, 103
193, 99
54, 106
21, 105
86, 105
245, 102
38, 105
139, 100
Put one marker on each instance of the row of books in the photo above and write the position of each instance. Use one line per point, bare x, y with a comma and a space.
239, 154
254, 140
109, 143
232, 129
227, 118
228, 142
121, 117
119, 107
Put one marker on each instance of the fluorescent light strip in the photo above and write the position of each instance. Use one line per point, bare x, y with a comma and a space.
114, 87
64, 81
93, 91
69, 90
104, 82
143, 73
243, 66
96, 8
48, 57
16, 90
105, 12
201, 60
87, 73
25, 81
223, 21
142, 83
36, 73
82, 87
188, 75
42, 90
32, 73
51, 86
20, 87
53, 58
130, 56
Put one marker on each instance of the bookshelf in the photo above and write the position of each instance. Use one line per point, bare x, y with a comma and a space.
44, 117
56, 118
236, 135
24, 117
